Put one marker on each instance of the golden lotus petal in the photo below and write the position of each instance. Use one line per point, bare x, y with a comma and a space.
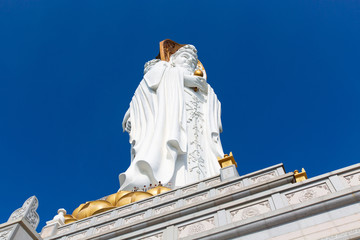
133, 197
157, 190
94, 206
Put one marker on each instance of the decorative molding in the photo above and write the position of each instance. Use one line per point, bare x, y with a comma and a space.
250, 211
234, 214
230, 188
190, 189
263, 178
213, 182
307, 194
63, 230
83, 224
105, 228
165, 209
145, 204
158, 236
196, 198
167, 196
28, 212
5, 235
77, 236
103, 217
353, 179
123, 210
135, 218
196, 227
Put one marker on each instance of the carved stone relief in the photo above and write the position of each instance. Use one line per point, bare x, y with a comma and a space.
196, 227
196, 198
20, 213
145, 204
263, 178
5, 235
167, 196
105, 228
63, 230
77, 236
190, 189
134, 219
165, 209
158, 236
103, 217
123, 210
353, 180
27, 211
83, 224
307, 194
230, 188
250, 211
213, 182
196, 163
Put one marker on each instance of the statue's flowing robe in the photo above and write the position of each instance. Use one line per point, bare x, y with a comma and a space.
159, 131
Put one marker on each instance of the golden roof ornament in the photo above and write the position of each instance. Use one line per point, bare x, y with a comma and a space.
227, 160
300, 176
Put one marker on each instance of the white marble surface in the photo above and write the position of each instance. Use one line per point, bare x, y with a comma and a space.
174, 130
258, 210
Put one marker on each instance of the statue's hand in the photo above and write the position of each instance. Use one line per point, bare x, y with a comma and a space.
196, 81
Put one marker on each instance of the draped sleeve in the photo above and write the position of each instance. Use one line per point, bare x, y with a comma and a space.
155, 74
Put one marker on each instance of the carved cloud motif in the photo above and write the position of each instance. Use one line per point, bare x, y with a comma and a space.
196, 227
251, 211
307, 194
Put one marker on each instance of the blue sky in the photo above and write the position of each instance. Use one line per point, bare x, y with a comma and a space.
287, 74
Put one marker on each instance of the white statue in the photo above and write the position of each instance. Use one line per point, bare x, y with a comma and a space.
174, 125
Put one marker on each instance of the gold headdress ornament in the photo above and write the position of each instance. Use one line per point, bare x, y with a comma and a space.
169, 47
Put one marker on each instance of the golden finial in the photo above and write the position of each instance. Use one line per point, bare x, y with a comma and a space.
300, 176
227, 160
